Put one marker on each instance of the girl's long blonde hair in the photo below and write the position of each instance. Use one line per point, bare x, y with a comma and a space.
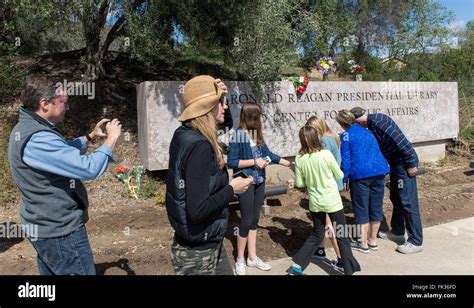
322, 128
207, 126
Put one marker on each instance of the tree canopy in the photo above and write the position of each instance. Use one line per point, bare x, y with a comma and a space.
254, 39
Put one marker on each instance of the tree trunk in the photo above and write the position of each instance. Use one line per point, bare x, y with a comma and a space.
360, 49
92, 23
333, 46
117, 29
94, 69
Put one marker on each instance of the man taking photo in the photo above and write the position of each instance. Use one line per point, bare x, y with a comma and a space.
49, 170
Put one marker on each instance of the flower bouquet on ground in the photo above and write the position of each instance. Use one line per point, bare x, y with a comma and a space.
356, 69
300, 83
324, 65
132, 177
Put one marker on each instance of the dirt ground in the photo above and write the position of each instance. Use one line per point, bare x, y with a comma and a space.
133, 237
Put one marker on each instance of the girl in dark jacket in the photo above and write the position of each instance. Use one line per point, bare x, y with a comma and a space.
250, 155
197, 189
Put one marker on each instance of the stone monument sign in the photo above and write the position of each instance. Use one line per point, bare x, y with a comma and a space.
427, 112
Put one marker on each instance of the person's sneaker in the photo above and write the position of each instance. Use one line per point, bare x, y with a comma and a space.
337, 264
354, 239
409, 248
358, 247
399, 239
320, 253
240, 267
258, 263
373, 247
294, 271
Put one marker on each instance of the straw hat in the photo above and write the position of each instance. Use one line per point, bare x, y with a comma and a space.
201, 94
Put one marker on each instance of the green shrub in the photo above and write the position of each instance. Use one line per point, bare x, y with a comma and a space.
428, 76
150, 187
467, 134
153, 188
466, 116
11, 78
9, 193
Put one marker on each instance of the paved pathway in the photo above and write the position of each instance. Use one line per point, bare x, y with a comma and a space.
448, 250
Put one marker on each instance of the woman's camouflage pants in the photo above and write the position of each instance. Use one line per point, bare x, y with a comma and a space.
212, 261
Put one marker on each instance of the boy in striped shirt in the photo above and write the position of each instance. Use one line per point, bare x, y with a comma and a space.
403, 161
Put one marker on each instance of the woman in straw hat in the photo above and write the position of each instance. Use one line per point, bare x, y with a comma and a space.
198, 189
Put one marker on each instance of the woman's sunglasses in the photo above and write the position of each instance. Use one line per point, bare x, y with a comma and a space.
223, 101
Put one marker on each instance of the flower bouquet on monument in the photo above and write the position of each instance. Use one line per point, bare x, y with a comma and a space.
356, 70
131, 176
300, 83
324, 65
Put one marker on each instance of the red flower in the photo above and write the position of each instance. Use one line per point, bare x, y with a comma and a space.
306, 81
300, 89
122, 169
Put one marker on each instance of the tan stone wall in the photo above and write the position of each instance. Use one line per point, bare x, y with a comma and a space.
425, 111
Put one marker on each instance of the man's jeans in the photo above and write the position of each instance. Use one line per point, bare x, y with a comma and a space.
406, 211
66, 255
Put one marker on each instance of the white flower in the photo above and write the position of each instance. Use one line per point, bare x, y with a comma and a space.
301, 79
326, 66
331, 63
350, 62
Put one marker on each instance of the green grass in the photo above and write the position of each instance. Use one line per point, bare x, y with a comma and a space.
467, 134
466, 115
153, 188
442, 162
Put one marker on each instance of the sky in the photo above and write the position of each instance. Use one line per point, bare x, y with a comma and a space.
463, 10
